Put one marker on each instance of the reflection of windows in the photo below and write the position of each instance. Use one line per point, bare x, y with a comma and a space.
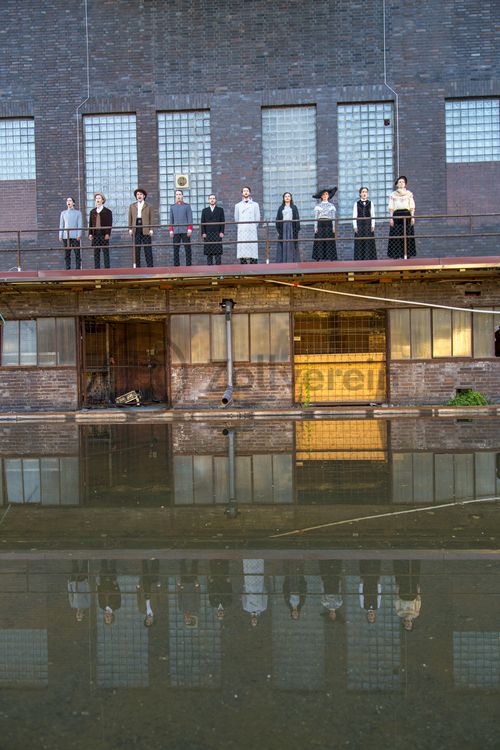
111, 161
49, 481
203, 480
184, 148
17, 149
46, 342
472, 130
289, 156
425, 333
476, 659
258, 337
24, 658
365, 154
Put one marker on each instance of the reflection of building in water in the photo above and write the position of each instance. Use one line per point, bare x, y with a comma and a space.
195, 649
299, 650
24, 658
476, 659
122, 648
373, 649
342, 461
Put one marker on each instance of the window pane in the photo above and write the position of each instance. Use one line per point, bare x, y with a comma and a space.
472, 130
111, 161
219, 338
441, 333
462, 340
184, 147
400, 334
421, 334
46, 334
66, 349
50, 473
14, 480
180, 338
17, 149
484, 335
200, 338
70, 480
28, 342
366, 148
240, 338
10, 343
31, 479
289, 157
259, 337
280, 337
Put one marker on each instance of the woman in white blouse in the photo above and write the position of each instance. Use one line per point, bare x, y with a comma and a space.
325, 247
402, 222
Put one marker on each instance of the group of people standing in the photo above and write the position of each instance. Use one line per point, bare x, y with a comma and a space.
247, 217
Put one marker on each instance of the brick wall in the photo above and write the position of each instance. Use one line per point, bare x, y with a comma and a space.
45, 439
38, 389
444, 434
250, 437
436, 382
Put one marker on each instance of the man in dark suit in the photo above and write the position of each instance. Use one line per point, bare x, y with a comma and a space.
100, 223
212, 227
140, 224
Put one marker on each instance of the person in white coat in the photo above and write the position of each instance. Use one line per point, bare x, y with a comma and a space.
247, 216
254, 598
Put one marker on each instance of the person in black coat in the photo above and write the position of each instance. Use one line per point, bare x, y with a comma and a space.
212, 227
100, 224
108, 591
288, 228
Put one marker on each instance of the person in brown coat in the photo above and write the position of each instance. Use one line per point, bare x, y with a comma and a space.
100, 223
140, 224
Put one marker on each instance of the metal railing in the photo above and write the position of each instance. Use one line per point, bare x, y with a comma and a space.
455, 235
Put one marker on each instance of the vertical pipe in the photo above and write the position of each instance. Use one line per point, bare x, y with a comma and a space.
227, 305
18, 250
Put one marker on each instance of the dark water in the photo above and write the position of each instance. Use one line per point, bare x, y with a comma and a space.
382, 631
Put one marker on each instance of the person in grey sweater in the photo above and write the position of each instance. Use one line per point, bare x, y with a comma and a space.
181, 227
70, 232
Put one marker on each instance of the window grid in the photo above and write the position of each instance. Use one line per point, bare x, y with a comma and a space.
476, 659
366, 146
184, 147
111, 161
17, 149
443, 334
472, 130
348, 332
45, 342
289, 157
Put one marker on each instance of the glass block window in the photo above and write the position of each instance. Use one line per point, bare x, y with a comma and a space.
366, 150
111, 162
24, 658
289, 157
472, 130
184, 148
17, 149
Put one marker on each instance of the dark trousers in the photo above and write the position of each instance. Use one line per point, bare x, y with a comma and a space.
104, 246
75, 244
182, 239
145, 241
211, 259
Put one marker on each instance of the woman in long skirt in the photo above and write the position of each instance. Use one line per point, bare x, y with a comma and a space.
325, 247
363, 215
402, 222
288, 228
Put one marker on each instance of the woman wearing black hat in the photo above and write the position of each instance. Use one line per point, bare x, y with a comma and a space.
402, 223
324, 247
288, 228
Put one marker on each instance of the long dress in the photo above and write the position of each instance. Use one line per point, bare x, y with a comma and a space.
288, 227
324, 247
402, 233
364, 230
248, 246
254, 598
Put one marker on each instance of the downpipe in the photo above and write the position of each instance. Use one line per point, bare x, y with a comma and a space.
227, 397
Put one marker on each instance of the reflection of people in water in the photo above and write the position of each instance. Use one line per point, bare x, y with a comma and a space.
220, 588
148, 590
254, 598
295, 588
108, 591
331, 599
79, 588
408, 600
370, 588
188, 592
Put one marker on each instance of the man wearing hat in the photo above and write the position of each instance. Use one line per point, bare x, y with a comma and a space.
100, 223
140, 222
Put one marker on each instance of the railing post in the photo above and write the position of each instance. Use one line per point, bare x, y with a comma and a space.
267, 242
133, 249
18, 249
